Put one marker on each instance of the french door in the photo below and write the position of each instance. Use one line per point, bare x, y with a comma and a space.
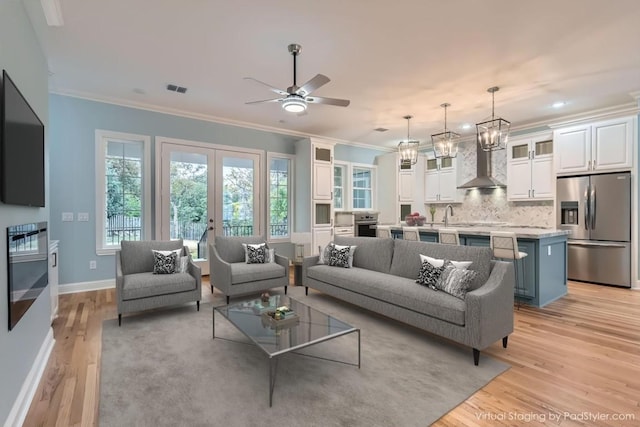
206, 192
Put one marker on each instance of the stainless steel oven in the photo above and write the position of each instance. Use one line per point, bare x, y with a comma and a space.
365, 224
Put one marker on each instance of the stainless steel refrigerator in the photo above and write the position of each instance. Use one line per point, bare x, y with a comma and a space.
597, 211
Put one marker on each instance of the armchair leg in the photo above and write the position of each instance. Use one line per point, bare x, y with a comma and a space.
504, 341
228, 298
476, 356
285, 290
119, 319
212, 288
306, 290
198, 305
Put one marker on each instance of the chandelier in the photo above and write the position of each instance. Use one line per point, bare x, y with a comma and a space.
445, 144
408, 149
493, 134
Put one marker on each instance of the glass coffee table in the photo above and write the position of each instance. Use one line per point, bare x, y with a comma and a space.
311, 327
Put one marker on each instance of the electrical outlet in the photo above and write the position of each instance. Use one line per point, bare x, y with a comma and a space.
92, 265
549, 250
67, 216
83, 216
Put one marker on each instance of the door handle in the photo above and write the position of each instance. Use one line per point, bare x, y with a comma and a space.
533, 193
599, 245
586, 209
210, 228
593, 208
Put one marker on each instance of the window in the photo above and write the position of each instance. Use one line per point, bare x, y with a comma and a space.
362, 185
122, 189
280, 179
339, 174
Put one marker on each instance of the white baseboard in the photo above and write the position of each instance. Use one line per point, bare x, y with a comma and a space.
21, 406
72, 288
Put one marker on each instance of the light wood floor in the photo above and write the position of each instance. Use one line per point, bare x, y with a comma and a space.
577, 358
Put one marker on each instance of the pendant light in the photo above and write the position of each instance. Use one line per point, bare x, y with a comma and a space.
408, 149
445, 144
493, 134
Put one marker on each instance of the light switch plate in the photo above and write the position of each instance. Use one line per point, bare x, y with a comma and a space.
67, 216
83, 216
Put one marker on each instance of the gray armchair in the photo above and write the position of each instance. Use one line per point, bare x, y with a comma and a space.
137, 288
233, 276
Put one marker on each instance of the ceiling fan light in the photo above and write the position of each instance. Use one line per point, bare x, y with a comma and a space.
294, 104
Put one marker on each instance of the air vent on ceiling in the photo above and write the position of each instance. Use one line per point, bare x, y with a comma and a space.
175, 88
381, 129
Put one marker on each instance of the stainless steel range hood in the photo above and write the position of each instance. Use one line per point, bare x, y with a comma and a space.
483, 177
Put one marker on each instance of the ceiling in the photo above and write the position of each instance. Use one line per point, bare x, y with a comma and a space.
390, 58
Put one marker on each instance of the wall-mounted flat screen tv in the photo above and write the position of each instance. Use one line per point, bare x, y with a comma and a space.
21, 149
28, 265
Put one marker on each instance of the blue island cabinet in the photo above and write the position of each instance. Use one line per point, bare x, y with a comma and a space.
544, 276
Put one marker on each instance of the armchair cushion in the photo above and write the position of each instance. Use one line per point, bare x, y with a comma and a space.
230, 248
143, 285
137, 256
244, 273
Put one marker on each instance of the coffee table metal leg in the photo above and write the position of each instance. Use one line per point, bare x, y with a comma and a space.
358, 348
273, 369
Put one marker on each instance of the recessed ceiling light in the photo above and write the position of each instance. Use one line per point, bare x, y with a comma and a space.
559, 104
139, 91
466, 126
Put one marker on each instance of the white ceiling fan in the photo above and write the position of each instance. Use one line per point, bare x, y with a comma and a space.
296, 98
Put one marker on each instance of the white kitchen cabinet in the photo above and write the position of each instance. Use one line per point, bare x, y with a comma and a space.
322, 181
321, 237
53, 278
399, 188
596, 147
530, 168
440, 181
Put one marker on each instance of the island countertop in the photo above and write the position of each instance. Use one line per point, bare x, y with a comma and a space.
523, 232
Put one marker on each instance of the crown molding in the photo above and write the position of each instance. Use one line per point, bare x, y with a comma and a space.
52, 12
207, 118
628, 109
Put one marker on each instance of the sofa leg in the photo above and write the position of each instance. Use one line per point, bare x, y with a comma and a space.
504, 341
211, 288
119, 319
228, 298
198, 305
306, 290
476, 356
285, 290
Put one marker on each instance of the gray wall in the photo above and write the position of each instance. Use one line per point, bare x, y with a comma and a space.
21, 56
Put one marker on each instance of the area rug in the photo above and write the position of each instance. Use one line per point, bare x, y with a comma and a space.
163, 368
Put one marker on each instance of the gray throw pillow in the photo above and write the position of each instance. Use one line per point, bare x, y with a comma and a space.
164, 264
455, 281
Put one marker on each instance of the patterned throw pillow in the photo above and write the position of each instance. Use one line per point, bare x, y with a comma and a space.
339, 257
429, 275
325, 253
256, 254
164, 264
455, 281
183, 264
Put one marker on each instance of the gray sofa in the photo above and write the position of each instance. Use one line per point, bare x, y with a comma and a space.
383, 276
137, 288
233, 276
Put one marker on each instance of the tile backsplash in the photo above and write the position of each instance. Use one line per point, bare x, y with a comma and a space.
491, 205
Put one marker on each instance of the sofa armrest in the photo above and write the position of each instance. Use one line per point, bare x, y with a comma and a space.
489, 313
307, 262
283, 261
219, 271
193, 270
119, 276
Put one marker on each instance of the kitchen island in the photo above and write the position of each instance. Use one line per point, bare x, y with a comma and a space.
544, 277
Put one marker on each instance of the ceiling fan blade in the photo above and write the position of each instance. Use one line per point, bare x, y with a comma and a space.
313, 84
274, 89
264, 100
328, 101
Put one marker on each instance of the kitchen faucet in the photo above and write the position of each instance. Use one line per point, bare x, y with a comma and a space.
446, 216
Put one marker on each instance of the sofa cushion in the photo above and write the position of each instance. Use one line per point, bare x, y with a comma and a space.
396, 290
371, 253
144, 285
230, 248
406, 259
242, 272
137, 256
